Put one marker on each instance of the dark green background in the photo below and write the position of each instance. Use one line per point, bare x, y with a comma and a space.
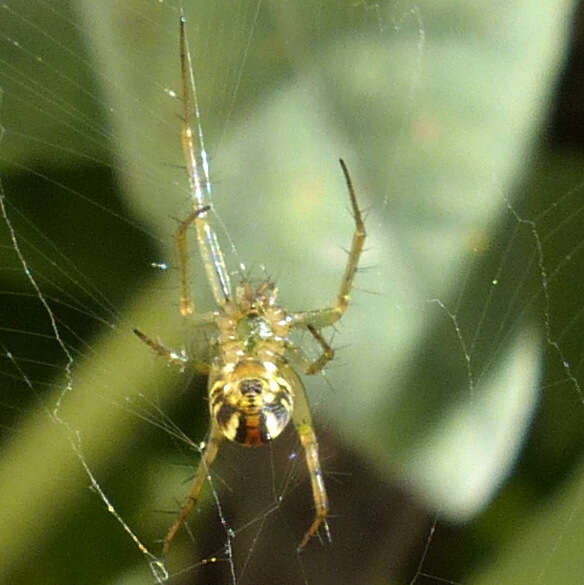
446, 115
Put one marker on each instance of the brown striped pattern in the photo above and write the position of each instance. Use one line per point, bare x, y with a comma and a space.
251, 411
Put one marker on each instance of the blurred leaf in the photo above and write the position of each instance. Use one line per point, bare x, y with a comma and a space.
434, 106
547, 548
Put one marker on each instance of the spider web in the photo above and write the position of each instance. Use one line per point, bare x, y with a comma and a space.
450, 422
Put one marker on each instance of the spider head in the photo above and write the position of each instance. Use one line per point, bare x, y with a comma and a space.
251, 401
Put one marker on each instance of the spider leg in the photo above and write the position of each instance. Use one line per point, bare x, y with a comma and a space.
173, 357
303, 362
303, 423
180, 358
327, 353
211, 254
187, 305
325, 317
201, 474
200, 186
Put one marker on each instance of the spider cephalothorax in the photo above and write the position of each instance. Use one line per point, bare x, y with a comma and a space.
253, 390
251, 386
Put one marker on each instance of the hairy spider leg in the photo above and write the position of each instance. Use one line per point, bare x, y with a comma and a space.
303, 423
201, 474
198, 175
327, 353
304, 427
178, 358
325, 317
313, 321
173, 357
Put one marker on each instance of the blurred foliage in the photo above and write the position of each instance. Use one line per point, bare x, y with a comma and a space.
467, 317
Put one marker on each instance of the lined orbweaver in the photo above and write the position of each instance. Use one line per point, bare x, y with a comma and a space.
253, 386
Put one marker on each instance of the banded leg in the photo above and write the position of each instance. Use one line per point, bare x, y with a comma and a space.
325, 317
303, 423
201, 474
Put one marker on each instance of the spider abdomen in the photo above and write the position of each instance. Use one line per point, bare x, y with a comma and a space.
251, 402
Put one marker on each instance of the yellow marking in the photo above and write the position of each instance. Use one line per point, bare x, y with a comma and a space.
273, 425
230, 427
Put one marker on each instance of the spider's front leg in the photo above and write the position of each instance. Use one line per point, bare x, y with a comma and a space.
326, 317
201, 474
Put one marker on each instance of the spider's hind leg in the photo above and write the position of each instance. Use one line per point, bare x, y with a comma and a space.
207, 458
304, 427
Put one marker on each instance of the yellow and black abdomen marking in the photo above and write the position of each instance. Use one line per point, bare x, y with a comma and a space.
251, 410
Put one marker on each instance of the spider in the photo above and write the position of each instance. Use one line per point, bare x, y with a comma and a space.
253, 385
